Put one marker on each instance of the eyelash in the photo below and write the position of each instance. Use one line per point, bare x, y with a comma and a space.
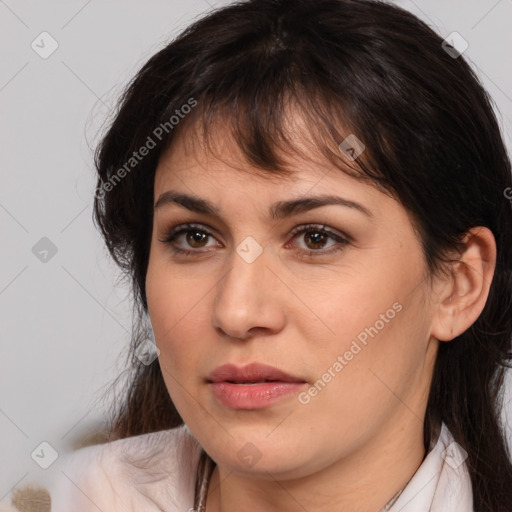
315, 228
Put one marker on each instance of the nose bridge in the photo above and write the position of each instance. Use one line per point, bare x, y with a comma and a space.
245, 297
243, 286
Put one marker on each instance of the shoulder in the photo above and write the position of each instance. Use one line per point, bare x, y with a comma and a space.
146, 472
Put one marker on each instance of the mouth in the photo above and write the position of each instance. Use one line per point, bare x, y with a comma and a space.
254, 386
253, 373
249, 382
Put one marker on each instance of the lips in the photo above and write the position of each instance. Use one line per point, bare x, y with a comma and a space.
255, 386
249, 374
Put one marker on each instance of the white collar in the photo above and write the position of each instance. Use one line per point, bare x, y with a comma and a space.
442, 482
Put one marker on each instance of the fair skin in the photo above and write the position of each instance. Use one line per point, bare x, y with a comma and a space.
360, 439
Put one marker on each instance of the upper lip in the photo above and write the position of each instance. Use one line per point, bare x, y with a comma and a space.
254, 372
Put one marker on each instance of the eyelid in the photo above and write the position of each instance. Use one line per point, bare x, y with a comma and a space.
298, 229
341, 238
185, 227
321, 227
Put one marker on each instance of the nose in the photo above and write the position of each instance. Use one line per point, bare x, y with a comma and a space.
249, 299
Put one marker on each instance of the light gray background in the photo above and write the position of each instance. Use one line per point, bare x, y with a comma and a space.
64, 323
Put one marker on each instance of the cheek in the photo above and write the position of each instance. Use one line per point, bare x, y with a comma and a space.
357, 309
378, 356
360, 291
356, 383
177, 318
177, 310
372, 339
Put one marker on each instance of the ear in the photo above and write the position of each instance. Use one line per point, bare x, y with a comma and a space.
463, 295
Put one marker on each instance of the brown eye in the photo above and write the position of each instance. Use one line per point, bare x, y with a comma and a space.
187, 238
196, 238
315, 239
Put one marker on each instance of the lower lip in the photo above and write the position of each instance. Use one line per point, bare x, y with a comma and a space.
253, 396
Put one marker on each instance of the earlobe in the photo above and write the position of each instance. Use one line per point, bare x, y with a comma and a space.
464, 293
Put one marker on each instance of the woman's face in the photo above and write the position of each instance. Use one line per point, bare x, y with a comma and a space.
334, 295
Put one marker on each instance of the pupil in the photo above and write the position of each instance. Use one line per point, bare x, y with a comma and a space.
196, 237
318, 239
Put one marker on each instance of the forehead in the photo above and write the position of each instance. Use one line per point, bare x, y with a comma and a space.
228, 187
218, 158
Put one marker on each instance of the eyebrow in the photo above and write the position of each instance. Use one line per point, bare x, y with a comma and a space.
277, 211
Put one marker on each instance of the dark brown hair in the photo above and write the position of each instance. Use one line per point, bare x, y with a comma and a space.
432, 141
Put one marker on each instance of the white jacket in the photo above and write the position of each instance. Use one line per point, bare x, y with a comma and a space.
156, 472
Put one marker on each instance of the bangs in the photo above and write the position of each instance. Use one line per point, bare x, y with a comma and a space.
286, 113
